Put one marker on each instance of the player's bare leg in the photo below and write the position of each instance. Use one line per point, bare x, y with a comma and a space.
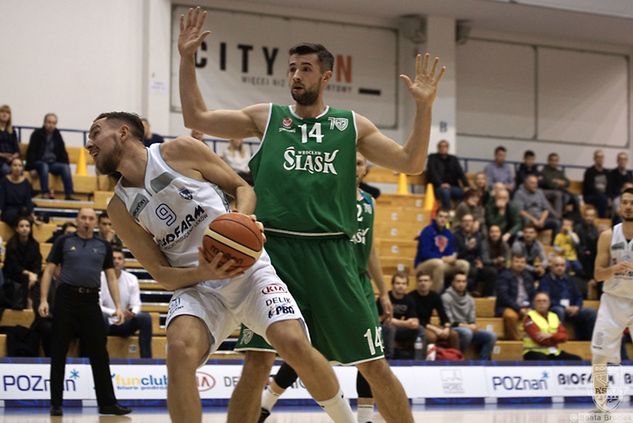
392, 401
245, 403
187, 345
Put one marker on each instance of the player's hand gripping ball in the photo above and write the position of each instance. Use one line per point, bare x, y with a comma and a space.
237, 237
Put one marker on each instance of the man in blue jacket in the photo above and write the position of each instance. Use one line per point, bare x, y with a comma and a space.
566, 300
515, 290
436, 254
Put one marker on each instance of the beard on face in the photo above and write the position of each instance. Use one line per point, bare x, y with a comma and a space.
108, 165
307, 98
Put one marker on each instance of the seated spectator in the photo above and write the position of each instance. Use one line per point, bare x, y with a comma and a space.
106, 231
22, 265
502, 213
544, 333
199, 135
495, 254
594, 185
481, 186
426, 301
588, 235
533, 206
567, 300
46, 154
619, 176
468, 244
528, 167
471, 205
460, 309
566, 243
555, 186
499, 170
446, 174
67, 228
16, 194
130, 302
149, 137
533, 251
515, 290
9, 146
436, 254
403, 326
237, 157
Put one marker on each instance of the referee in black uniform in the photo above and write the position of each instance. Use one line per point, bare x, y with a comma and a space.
82, 257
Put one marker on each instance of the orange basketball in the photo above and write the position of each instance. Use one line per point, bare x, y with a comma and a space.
236, 236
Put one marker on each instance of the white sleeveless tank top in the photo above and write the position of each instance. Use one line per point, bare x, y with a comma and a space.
621, 284
175, 209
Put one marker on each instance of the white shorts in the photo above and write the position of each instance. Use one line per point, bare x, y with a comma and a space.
257, 299
614, 315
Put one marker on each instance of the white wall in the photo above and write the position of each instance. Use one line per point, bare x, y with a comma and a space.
74, 58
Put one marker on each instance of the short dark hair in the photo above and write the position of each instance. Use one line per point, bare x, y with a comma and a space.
518, 254
529, 225
528, 153
117, 249
326, 59
469, 193
443, 210
50, 114
103, 215
459, 272
552, 155
628, 191
132, 119
421, 273
500, 148
400, 274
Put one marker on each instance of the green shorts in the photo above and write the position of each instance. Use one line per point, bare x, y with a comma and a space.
321, 276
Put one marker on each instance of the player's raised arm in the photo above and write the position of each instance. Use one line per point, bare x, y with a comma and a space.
411, 157
245, 123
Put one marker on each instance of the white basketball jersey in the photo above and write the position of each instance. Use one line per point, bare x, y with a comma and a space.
175, 209
621, 284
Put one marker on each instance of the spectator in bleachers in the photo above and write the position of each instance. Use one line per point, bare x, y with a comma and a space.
130, 297
471, 204
528, 167
106, 231
468, 245
495, 253
237, 156
481, 186
9, 146
444, 171
426, 302
460, 309
499, 170
534, 208
566, 299
533, 251
46, 154
403, 326
515, 290
66, 229
436, 254
149, 137
16, 194
502, 213
594, 185
588, 235
566, 244
555, 186
619, 176
544, 333
22, 265
199, 135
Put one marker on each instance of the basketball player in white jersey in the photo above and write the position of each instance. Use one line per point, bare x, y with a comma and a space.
614, 266
164, 201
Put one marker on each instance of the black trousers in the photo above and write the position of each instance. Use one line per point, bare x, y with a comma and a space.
533, 355
75, 313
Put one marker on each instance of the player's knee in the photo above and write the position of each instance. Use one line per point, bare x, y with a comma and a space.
183, 353
258, 362
374, 369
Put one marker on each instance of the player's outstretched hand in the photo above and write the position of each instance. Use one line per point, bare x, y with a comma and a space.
424, 86
191, 34
211, 270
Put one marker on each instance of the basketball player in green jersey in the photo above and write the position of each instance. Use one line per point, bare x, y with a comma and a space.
304, 176
369, 269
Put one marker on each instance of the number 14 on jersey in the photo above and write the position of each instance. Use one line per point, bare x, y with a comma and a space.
315, 133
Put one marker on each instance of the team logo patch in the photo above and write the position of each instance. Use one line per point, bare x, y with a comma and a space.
338, 123
287, 122
441, 242
247, 336
274, 289
186, 194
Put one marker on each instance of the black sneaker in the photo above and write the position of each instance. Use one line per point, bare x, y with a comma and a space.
56, 410
115, 409
263, 415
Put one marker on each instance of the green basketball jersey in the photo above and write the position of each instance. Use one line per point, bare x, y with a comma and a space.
363, 237
305, 173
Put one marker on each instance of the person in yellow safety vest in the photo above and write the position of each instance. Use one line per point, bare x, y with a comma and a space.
544, 333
